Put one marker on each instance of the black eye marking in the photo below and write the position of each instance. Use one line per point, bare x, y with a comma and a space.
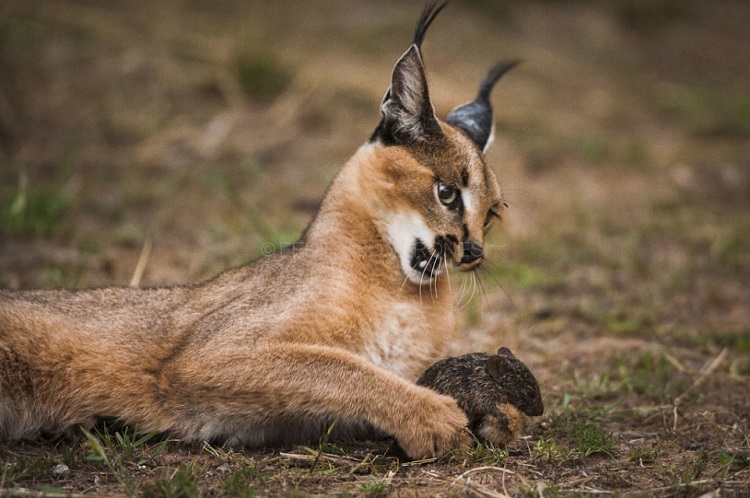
449, 196
491, 214
465, 177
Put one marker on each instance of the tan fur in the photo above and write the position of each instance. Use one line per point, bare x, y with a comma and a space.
500, 432
273, 352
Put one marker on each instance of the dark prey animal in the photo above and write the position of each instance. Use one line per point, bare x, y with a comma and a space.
493, 390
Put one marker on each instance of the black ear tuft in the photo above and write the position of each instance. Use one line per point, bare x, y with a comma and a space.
475, 118
431, 10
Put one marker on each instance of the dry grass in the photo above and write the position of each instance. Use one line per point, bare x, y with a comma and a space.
205, 130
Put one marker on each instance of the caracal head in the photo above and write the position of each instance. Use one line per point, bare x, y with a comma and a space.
434, 197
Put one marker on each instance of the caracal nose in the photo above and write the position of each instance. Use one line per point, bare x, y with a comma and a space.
472, 252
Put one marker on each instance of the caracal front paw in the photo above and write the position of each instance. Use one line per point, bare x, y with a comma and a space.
436, 426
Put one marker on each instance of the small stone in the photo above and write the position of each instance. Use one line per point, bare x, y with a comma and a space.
682, 175
60, 470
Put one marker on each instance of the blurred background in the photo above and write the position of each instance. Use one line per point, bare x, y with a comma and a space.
210, 128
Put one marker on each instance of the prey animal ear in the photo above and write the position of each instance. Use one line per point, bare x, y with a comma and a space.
475, 118
496, 366
407, 111
505, 352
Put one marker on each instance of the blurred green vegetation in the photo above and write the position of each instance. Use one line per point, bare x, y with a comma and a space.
262, 75
27, 211
708, 111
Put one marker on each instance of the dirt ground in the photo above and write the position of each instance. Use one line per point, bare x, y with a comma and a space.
195, 135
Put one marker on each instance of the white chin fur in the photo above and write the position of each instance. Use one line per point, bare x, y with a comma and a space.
403, 230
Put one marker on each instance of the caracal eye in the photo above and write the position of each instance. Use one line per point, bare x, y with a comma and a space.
491, 215
446, 194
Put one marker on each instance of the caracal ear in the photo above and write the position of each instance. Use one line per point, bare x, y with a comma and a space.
475, 117
407, 111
